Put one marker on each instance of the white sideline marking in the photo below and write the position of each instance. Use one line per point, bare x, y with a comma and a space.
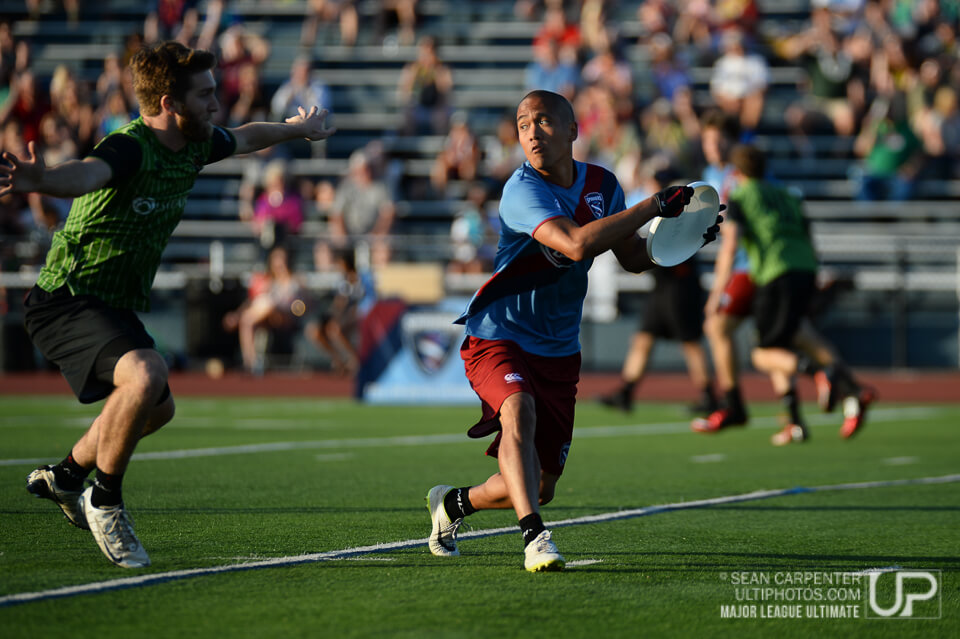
900, 461
708, 459
283, 562
584, 562
586, 432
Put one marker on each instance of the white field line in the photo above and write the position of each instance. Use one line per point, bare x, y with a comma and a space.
282, 562
586, 432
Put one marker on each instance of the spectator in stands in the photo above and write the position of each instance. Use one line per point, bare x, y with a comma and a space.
274, 302
664, 133
344, 12
56, 145
739, 81
71, 7
595, 34
171, 20
240, 49
835, 89
558, 29
114, 113
425, 91
891, 151
460, 156
668, 72
604, 137
400, 14
335, 330
470, 234
250, 103
76, 109
278, 211
302, 87
363, 212
939, 130
609, 69
8, 58
26, 105
656, 17
502, 153
547, 71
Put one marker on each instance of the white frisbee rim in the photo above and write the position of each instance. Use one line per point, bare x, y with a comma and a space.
682, 236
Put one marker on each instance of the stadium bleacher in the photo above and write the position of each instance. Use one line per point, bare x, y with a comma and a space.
884, 245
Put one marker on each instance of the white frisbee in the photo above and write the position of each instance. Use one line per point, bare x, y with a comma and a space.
674, 240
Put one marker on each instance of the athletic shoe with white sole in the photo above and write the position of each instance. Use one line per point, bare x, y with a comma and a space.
43, 483
790, 434
113, 529
855, 412
541, 555
443, 535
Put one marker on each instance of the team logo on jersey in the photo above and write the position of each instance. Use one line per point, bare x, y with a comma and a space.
555, 257
431, 339
595, 202
513, 378
144, 205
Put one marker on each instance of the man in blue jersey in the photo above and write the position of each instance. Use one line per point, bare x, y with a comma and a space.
522, 351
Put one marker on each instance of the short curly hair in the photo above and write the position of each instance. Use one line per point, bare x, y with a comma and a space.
166, 69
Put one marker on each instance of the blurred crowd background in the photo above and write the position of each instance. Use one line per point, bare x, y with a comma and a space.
854, 101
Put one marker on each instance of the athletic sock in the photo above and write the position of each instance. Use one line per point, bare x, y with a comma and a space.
734, 401
709, 397
107, 490
791, 405
531, 526
806, 366
457, 503
843, 380
69, 474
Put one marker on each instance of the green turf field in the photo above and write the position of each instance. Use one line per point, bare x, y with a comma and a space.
236, 483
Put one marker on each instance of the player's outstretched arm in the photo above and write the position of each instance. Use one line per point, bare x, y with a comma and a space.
72, 178
311, 125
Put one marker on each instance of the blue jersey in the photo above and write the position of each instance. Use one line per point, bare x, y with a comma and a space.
535, 296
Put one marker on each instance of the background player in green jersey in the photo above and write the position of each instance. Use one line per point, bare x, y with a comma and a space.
768, 221
130, 194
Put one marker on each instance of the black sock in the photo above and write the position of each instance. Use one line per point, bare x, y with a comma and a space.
734, 400
457, 503
531, 526
709, 397
627, 389
107, 490
806, 366
843, 380
69, 474
791, 405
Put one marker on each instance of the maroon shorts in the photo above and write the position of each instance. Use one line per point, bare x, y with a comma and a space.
737, 297
499, 368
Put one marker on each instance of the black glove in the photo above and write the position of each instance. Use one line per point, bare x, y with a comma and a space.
714, 230
672, 199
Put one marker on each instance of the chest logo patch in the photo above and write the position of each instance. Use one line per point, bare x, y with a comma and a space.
595, 202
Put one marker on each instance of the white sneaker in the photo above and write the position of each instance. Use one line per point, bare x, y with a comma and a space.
113, 529
43, 483
443, 535
541, 555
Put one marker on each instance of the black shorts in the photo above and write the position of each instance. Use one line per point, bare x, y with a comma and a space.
675, 308
84, 337
780, 306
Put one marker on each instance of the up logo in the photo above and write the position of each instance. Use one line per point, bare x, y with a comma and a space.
909, 587
144, 205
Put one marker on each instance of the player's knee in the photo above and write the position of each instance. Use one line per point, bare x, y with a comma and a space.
518, 416
145, 371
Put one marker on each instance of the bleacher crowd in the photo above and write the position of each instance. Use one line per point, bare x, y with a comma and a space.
858, 90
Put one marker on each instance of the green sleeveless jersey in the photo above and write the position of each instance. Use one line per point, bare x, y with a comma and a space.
113, 238
773, 230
